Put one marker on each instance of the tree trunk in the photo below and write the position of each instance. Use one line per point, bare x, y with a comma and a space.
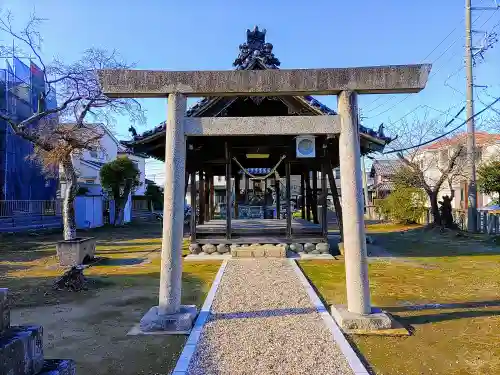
68, 211
120, 203
433, 197
119, 214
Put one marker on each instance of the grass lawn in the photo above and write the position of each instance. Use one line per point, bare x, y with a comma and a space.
90, 326
463, 274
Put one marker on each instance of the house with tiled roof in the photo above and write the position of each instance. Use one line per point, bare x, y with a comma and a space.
382, 172
436, 156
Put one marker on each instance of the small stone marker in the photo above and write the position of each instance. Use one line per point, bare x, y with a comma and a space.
21, 348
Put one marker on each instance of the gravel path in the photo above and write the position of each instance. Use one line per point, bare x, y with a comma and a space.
263, 322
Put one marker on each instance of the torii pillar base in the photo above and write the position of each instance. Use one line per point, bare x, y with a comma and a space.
178, 323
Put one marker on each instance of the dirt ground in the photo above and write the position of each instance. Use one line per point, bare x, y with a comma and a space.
91, 326
93, 333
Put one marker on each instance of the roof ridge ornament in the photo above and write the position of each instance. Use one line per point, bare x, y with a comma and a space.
256, 49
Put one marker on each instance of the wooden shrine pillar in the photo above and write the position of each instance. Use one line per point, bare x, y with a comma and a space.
302, 196
265, 198
278, 203
206, 195
186, 182
247, 188
211, 197
324, 194
308, 194
228, 190
288, 200
335, 194
201, 194
237, 177
193, 207
314, 200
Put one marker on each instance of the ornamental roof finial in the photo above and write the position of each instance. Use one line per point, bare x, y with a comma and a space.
256, 38
256, 48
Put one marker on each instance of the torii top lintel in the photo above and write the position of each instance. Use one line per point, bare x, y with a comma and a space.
391, 79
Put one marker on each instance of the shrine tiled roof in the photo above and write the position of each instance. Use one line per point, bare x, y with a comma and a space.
256, 53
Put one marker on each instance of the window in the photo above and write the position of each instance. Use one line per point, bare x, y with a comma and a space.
219, 178
93, 154
89, 181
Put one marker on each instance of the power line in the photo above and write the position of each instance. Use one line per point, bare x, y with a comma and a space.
433, 74
430, 53
447, 133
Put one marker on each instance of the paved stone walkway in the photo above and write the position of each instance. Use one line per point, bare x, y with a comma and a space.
262, 321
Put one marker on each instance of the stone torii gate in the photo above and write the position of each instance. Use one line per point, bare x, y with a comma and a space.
347, 83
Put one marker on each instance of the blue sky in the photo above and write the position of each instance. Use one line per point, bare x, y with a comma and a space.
195, 35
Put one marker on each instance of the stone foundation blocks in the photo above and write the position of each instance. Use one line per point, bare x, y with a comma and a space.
21, 348
194, 248
209, 248
21, 351
309, 247
323, 248
222, 248
180, 322
75, 252
4, 311
283, 245
297, 248
58, 367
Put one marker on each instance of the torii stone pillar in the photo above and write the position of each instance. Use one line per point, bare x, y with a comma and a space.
359, 314
170, 315
356, 266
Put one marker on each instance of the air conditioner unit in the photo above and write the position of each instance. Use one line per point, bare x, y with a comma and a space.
305, 146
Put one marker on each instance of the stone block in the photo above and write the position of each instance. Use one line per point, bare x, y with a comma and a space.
179, 322
242, 252
259, 252
276, 252
222, 248
309, 247
58, 367
209, 248
74, 252
323, 247
4, 310
315, 252
194, 248
283, 245
297, 248
349, 321
21, 351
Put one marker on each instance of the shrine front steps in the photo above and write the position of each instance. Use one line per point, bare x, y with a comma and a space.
259, 251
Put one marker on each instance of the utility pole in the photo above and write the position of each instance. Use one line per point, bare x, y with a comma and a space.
365, 183
471, 139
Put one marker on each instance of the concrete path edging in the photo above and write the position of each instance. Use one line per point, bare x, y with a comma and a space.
189, 348
352, 358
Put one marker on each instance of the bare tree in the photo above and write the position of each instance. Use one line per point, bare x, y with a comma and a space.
424, 167
75, 123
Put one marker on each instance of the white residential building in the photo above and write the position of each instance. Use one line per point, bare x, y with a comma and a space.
437, 155
89, 163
